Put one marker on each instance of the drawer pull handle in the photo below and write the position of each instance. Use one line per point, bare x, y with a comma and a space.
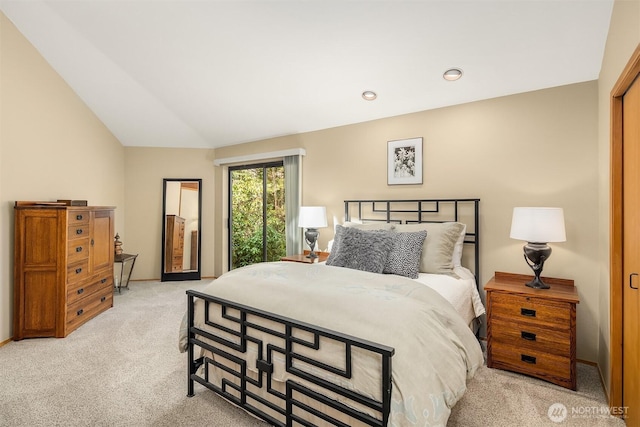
79, 231
79, 217
528, 359
527, 312
81, 290
79, 312
528, 336
78, 270
79, 249
103, 280
102, 299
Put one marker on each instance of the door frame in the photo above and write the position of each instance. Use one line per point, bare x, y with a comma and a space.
264, 166
616, 283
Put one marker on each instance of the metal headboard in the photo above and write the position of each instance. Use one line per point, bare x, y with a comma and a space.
422, 210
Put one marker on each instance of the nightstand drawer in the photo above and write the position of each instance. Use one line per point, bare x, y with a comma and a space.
531, 362
530, 337
530, 309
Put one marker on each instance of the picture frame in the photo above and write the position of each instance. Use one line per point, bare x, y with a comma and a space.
404, 161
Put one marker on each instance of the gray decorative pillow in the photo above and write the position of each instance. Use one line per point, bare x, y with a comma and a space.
361, 249
404, 258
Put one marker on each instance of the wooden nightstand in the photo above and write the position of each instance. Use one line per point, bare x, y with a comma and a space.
322, 256
532, 331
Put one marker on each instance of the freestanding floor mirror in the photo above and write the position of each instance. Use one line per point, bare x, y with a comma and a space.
181, 229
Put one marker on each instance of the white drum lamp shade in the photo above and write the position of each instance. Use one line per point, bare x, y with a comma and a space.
537, 226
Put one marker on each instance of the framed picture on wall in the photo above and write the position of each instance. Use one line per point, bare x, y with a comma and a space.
404, 161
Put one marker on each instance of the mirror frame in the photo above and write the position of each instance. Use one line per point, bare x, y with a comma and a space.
191, 274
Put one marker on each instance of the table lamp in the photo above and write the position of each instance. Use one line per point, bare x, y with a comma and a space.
312, 218
537, 226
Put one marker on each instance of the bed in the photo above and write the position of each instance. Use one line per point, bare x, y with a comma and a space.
336, 343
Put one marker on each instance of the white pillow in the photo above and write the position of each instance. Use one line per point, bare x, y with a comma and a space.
456, 259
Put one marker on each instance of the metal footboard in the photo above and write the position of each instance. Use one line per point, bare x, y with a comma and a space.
304, 391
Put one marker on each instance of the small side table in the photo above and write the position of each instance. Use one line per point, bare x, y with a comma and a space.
322, 256
532, 331
123, 259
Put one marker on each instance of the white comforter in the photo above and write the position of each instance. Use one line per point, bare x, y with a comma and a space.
435, 351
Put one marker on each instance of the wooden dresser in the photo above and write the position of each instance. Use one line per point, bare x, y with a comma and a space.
174, 245
63, 267
532, 331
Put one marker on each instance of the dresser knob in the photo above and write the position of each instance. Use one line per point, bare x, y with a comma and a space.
78, 270
527, 312
103, 280
103, 299
80, 291
528, 359
528, 336
79, 231
79, 312
79, 217
79, 249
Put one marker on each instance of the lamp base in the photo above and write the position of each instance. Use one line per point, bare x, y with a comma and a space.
537, 283
311, 236
535, 254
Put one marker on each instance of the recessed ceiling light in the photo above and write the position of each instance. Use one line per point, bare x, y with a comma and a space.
452, 74
369, 95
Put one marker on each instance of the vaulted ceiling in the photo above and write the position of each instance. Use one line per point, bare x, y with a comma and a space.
206, 74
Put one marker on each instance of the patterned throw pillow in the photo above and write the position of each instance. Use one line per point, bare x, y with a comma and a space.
361, 249
404, 258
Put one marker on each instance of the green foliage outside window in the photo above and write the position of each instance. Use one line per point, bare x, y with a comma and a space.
247, 216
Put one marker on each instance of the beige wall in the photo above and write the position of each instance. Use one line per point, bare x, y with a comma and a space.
624, 36
51, 147
44, 128
532, 149
145, 169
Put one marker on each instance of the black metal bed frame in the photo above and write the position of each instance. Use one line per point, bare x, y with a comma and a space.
399, 211
230, 342
245, 320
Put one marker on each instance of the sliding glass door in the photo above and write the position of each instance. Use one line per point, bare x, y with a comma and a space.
257, 214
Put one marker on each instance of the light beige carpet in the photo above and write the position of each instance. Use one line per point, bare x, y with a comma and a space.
123, 368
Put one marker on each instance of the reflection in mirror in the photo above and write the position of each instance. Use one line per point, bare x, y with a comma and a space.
181, 229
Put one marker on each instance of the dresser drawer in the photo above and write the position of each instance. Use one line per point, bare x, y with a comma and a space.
78, 217
78, 231
77, 272
515, 308
176, 265
87, 308
531, 337
87, 288
77, 249
531, 362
